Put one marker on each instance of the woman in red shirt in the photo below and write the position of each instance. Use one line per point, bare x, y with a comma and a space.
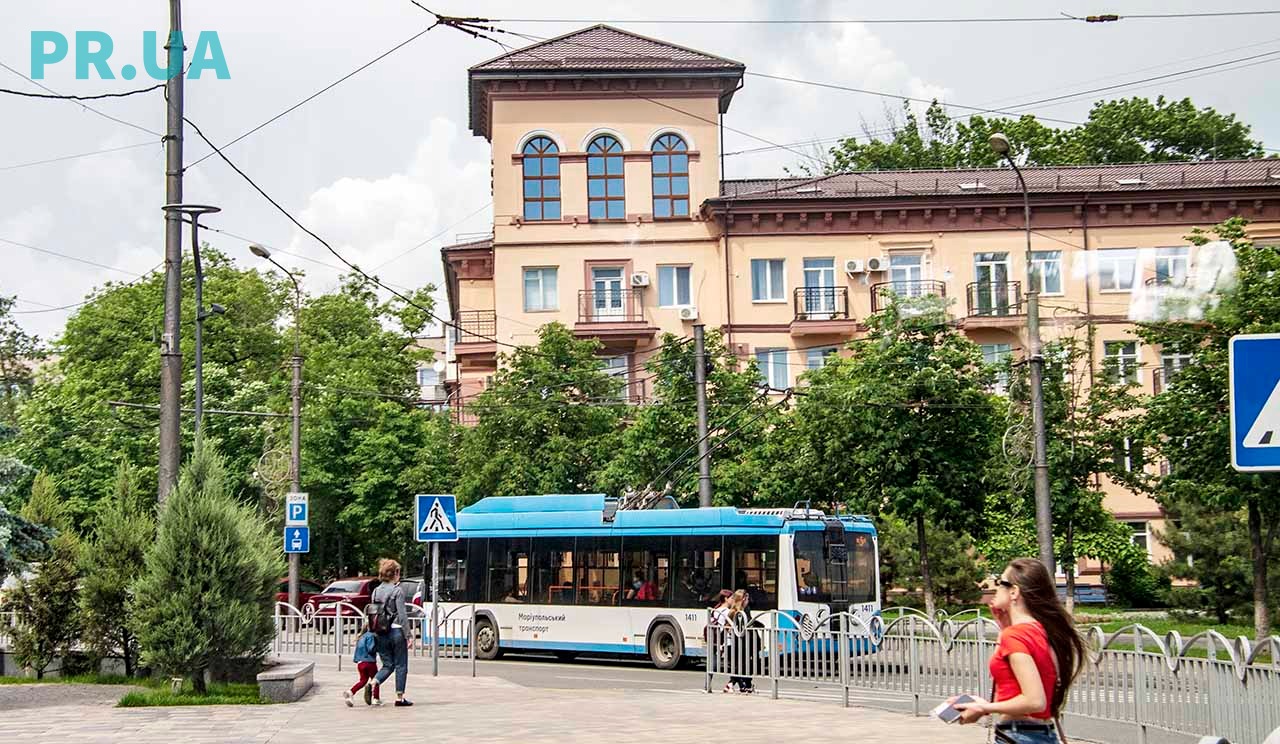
1038, 657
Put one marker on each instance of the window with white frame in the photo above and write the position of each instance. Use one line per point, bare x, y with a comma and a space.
1048, 269
773, 367
996, 355
540, 289
906, 270
619, 367
1173, 264
816, 358
1129, 455
1116, 269
1173, 362
427, 377
1120, 361
673, 286
768, 282
1140, 535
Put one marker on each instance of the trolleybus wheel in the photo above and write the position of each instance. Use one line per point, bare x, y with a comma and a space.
664, 647
487, 640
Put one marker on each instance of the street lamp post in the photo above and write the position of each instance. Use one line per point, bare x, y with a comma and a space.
194, 211
295, 436
1035, 357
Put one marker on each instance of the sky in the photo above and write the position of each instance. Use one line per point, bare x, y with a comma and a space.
384, 167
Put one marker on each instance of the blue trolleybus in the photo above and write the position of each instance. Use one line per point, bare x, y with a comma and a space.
575, 574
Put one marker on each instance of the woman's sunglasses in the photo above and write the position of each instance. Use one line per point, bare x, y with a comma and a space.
998, 581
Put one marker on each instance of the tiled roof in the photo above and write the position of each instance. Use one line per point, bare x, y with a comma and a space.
603, 47
977, 181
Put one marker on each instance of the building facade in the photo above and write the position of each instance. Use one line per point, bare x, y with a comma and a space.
611, 217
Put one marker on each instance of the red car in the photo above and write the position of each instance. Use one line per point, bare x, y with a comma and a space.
306, 588
354, 591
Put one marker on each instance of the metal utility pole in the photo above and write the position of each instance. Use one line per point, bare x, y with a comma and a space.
295, 433
170, 342
194, 211
700, 380
1035, 357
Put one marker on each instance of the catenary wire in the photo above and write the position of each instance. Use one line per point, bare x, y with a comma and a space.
82, 104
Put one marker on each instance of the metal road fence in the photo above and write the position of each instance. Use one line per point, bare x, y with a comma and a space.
1204, 685
337, 628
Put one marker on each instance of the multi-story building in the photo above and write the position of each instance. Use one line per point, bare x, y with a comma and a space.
612, 217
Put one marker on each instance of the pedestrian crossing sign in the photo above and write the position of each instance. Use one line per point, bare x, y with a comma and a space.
435, 517
1254, 374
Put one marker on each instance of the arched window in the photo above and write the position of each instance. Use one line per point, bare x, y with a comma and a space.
670, 177
541, 179
605, 199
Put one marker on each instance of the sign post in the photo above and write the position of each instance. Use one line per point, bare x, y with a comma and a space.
296, 514
435, 520
1254, 377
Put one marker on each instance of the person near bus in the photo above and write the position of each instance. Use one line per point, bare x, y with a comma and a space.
393, 647
726, 617
1037, 658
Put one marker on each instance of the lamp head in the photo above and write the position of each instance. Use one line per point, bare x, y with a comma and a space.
259, 250
216, 309
999, 143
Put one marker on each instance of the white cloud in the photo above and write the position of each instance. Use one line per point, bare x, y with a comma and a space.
372, 221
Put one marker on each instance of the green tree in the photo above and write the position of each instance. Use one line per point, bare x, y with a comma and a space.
1188, 423
550, 422
207, 591
48, 621
662, 437
19, 353
366, 447
956, 572
108, 352
20, 543
1126, 130
903, 426
113, 561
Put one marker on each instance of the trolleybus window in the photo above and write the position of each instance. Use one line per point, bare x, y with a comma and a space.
508, 569
835, 572
553, 570
697, 570
755, 568
646, 571
599, 572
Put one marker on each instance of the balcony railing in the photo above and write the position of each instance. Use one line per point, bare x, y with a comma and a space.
610, 306
1166, 280
475, 326
821, 303
885, 292
994, 299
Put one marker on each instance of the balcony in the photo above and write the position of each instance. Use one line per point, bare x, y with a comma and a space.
821, 310
994, 303
473, 337
615, 316
883, 293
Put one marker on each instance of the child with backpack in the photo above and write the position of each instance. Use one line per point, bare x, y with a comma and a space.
366, 659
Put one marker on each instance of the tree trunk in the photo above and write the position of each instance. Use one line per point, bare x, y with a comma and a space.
124, 652
1068, 566
1258, 552
197, 682
925, 579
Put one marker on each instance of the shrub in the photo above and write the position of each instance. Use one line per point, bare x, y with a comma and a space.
112, 562
207, 590
1134, 582
48, 617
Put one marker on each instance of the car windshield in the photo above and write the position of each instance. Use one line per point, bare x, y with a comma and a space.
343, 587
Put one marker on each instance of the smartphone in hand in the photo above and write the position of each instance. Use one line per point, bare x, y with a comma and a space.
947, 712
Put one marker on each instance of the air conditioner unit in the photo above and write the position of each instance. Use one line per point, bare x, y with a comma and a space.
877, 263
854, 266
688, 312
640, 279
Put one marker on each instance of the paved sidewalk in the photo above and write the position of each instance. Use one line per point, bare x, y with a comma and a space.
485, 709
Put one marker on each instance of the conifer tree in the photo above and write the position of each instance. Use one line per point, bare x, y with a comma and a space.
207, 590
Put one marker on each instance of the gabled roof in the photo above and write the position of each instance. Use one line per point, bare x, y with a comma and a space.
1140, 177
602, 47
600, 52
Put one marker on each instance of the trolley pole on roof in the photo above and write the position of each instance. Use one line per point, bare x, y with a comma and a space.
700, 379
